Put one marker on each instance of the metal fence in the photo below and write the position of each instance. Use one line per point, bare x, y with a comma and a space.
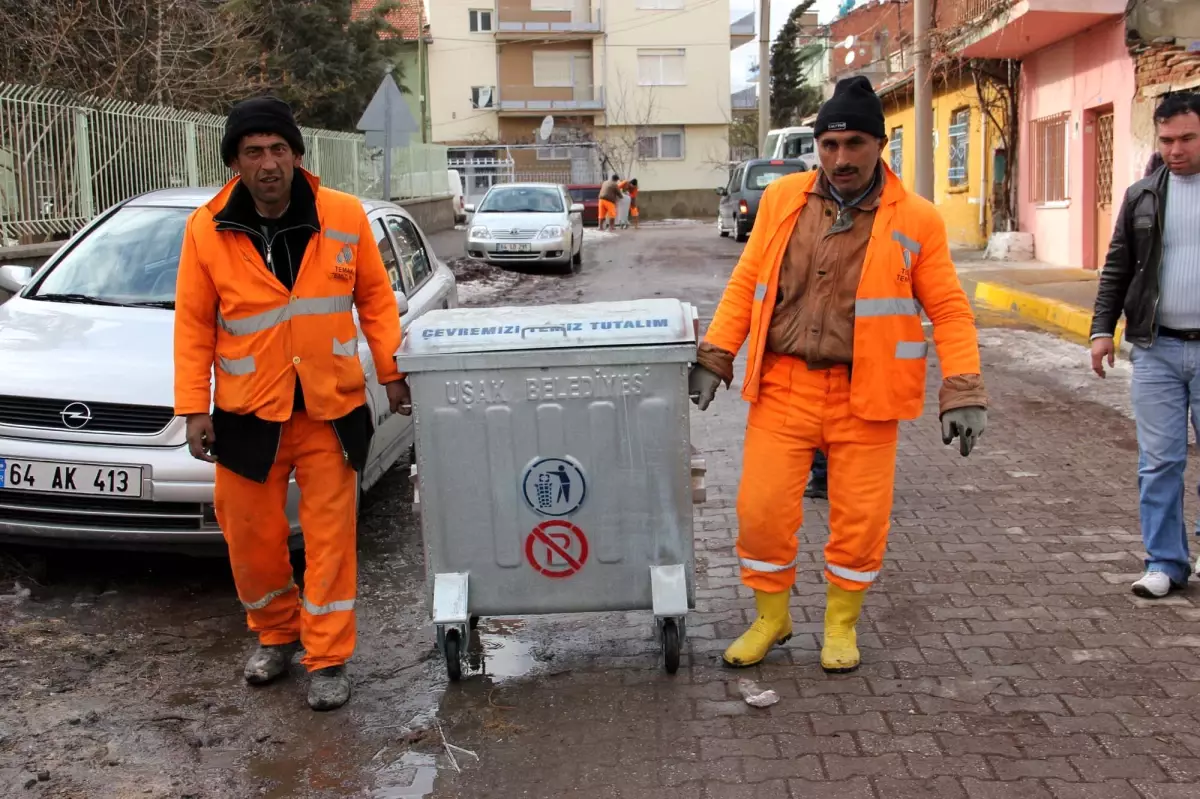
63, 159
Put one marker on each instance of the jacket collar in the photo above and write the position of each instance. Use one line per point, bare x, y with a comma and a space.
893, 190
234, 205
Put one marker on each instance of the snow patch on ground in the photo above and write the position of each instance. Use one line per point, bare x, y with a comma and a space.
592, 236
1064, 363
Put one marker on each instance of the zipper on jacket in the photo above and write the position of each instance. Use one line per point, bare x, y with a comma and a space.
342, 444
1158, 269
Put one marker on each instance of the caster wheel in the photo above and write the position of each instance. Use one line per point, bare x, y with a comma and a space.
474, 622
453, 656
670, 645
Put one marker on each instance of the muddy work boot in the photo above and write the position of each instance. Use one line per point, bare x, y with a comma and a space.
839, 654
772, 627
269, 662
329, 689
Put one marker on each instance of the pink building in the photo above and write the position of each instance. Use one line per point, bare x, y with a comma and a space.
1076, 96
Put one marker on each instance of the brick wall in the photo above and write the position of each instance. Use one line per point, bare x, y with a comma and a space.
1159, 64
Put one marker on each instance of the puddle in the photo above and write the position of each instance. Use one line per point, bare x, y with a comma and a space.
496, 650
409, 777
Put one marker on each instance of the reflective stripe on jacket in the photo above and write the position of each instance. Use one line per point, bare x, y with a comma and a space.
907, 268
233, 314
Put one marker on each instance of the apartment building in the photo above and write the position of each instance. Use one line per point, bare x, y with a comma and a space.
639, 87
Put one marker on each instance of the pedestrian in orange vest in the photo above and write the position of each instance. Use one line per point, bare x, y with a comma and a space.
270, 273
830, 290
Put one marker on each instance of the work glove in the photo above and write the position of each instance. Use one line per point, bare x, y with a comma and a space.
702, 386
967, 424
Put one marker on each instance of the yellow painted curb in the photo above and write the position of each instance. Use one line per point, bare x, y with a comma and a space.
1062, 315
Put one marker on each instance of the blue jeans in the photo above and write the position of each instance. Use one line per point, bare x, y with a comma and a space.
1165, 391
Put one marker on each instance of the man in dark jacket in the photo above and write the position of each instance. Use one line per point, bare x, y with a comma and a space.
1152, 276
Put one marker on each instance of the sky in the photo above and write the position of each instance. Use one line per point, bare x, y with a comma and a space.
741, 58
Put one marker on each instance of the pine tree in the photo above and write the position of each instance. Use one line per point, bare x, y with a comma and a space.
314, 56
792, 98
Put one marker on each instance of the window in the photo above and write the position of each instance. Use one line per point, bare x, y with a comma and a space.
896, 151
559, 148
481, 21
483, 96
550, 5
660, 144
388, 254
583, 195
412, 253
658, 5
960, 132
798, 144
661, 68
1048, 140
759, 176
522, 200
553, 69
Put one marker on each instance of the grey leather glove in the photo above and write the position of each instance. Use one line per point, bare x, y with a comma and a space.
702, 386
967, 424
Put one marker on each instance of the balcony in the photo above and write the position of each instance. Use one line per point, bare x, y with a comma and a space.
741, 32
517, 24
526, 100
1016, 28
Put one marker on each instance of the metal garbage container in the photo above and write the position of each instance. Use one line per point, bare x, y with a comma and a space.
554, 470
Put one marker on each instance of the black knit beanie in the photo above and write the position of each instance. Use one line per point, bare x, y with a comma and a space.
259, 115
854, 106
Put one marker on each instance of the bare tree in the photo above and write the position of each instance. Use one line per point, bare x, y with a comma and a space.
620, 142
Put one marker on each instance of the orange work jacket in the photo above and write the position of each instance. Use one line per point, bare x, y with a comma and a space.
232, 313
907, 268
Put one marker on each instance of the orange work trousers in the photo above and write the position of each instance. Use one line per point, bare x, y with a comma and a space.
607, 210
253, 517
798, 411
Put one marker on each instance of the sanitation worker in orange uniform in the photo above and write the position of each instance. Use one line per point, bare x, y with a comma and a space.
270, 273
829, 291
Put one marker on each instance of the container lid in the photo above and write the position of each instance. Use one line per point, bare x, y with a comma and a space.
541, 327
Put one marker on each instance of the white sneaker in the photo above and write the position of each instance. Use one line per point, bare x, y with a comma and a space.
1153, 585
1197, 570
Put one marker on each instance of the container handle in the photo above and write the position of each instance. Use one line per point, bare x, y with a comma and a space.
544, 329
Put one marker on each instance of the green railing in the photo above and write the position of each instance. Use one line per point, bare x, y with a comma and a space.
63, 159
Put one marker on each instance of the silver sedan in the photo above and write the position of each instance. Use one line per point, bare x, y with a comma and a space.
90, 447
527, 223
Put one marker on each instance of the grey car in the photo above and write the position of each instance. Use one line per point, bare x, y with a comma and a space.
527, 223
738, 206
90, 448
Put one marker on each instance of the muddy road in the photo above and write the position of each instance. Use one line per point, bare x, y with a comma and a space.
120, 673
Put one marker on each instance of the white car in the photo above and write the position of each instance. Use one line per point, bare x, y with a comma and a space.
90, 447
535, 223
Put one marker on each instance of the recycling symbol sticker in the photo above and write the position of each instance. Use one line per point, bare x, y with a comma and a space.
554, 486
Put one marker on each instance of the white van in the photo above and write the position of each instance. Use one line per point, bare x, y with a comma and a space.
456, 192
792, 143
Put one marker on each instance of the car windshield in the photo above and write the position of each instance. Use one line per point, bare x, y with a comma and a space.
763, 175
798, 144
522, 200
769, 147
131, 258
583, 195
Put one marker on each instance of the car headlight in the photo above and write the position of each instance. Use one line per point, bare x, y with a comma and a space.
551, 232
479, 232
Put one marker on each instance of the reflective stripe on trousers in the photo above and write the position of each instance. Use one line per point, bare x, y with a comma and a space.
850, 574
269, 597
764, 567
332, 607
309, 306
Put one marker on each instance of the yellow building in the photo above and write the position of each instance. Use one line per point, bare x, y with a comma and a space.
967, 153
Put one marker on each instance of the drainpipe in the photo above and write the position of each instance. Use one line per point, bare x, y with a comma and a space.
983, 182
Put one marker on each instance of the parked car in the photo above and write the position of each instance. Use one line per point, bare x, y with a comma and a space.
456, 196
90, 447
739, 199
589, 195
527, 223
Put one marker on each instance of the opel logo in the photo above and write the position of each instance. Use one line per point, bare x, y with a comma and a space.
515, 231
76, 415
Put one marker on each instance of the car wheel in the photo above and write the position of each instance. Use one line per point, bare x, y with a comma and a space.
577, 258
721, 227
739, 232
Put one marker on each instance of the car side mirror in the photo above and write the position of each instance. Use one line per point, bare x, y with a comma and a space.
721, 191
13, 278
402, 302
469, 208
577, 208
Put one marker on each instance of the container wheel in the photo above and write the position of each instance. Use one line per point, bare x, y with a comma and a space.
474, 622
670, 645
453, 656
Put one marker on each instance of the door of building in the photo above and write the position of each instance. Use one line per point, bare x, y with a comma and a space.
1103, 181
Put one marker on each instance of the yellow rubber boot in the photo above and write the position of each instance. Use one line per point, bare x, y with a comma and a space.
773, 626
839, 654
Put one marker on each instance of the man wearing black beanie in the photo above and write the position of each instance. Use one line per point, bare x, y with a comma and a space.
830, 290
271, 272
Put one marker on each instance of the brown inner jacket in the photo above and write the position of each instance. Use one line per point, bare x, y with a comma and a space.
813, 318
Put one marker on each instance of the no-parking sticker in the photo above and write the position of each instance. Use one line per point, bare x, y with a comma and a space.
556, 549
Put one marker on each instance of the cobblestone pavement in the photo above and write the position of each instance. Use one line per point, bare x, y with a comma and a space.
1003, 654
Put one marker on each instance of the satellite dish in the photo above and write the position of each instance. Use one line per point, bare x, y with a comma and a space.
547, 128
849, 58
848, 43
